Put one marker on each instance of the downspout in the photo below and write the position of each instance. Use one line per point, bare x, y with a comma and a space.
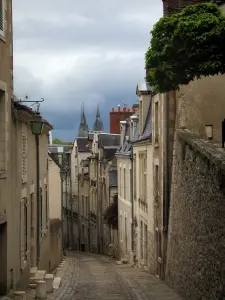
132, 205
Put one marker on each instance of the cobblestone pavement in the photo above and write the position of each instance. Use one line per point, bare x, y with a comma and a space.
93, 277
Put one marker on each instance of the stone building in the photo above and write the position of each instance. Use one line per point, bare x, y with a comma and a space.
183, 120
62, 154
107, 146
18, 231
80, 192
143, 198
125, 201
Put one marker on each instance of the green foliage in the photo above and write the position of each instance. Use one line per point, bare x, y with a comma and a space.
185, 46
58, 141
111, 214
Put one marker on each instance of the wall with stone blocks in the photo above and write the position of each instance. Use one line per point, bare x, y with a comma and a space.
196, 243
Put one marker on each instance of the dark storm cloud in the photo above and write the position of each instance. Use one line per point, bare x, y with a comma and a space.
71, 52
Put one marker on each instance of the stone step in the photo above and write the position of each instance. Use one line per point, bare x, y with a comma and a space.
56, 283
33, 271
40, 274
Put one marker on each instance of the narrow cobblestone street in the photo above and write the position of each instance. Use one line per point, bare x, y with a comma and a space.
89, 276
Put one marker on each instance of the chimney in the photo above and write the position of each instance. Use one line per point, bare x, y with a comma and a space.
173, 6
119, 115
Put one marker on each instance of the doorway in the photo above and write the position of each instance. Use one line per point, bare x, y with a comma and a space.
3, 258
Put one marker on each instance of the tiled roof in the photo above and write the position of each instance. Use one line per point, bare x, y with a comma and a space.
147, 133
82, 145
108, 139
108, 153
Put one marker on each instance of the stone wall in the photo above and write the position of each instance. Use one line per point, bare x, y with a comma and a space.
196, 241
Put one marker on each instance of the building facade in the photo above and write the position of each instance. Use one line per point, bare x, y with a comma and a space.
144, 211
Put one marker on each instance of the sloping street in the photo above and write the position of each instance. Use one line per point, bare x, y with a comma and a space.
88, 276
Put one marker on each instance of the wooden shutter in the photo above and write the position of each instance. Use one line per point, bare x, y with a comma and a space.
28, 204
24, 152
2, 17
22, 250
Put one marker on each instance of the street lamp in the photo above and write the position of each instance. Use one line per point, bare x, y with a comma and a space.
37, 124
63, 174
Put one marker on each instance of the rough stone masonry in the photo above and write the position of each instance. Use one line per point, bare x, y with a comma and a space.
196, 245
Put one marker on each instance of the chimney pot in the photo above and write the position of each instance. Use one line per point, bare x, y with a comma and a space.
124, 109
113, 109
128, 109
118, 108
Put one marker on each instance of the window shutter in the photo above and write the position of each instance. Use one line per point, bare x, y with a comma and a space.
28, 228
24, 152
22, 250
2, 17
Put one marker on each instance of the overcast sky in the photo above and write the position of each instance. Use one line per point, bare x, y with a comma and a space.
88, 51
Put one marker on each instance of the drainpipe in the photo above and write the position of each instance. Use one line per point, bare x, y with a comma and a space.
132, 206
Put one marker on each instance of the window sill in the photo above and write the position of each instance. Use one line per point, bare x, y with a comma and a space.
3, 174
2, 38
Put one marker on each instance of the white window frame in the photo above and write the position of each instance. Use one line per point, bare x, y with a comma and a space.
2, 32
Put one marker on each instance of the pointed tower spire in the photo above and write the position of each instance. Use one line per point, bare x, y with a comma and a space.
98, 124
83, 128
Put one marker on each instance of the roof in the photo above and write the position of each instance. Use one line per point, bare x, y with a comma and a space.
143, 88
60, 148
125, 148
108, 139
109, 153
54, 159
82, 145
147, 132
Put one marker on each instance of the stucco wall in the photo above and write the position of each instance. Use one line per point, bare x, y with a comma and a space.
202, 103
54, 188
196, 244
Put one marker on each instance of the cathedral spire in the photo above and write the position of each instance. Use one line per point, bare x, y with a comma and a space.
98, 124
83, 128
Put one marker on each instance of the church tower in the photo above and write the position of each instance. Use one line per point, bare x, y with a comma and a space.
83, 128
98, 124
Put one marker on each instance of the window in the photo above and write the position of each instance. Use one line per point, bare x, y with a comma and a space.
3, 130
24, 232
144, 178
83, 205
134, 178
121, 228
86, 206
46, 206
41, 210
156, 125
124, 184
2, 17
24, 153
